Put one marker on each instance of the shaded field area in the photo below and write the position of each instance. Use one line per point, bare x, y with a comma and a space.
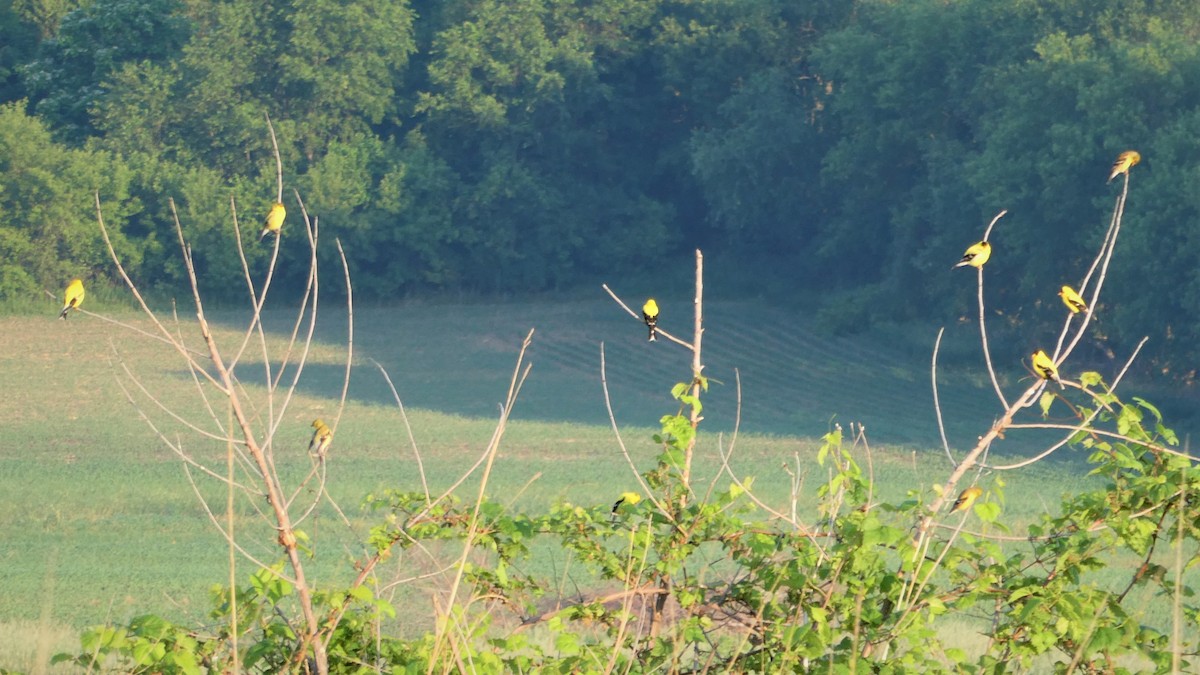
99, 521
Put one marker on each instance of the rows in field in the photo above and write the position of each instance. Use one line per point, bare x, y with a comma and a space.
794, 378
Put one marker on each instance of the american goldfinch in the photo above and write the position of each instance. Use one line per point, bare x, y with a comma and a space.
1044, 366
274, 220
966, 499
1072, 300
321, 438
73, 297
650, 316
629, 498
976, 255
1125, 160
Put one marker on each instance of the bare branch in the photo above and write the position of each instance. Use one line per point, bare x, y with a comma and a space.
937, 406
408, 427
657, 331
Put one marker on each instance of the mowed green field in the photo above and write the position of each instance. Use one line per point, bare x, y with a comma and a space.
98, 519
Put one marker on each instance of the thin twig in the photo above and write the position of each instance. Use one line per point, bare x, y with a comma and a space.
657, 331
937, 406
408, 427
612, 420
349, 333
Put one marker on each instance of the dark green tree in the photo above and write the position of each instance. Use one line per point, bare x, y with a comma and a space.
92, 42
48, 228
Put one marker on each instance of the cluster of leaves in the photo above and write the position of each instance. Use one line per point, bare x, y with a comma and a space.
707, 584
524, 145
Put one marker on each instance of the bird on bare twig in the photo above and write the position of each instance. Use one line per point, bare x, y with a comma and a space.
1124, 162
73, 297
321, 439
1044, 366
1072, 300
274, 220
976, 255
650, 316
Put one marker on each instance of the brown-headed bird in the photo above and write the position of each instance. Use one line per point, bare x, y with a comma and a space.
1044, 366
650, 316
966, 499
1072, 300
321, 439
1124, 162
72, 298
274, 220
976, 255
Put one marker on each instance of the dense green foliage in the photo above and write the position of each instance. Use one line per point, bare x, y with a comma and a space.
841, 150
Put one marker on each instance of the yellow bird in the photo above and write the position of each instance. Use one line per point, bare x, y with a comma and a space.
966, 499
73, 297
629, 498
1044, 366
1072, 300
650, 316
274, 220
321, 439
1124, 162
976, 255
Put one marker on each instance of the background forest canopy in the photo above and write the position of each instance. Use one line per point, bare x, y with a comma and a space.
840, 154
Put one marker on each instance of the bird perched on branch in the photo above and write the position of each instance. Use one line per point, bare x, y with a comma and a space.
650, 316
629, 498
274, 220
1044, 366
1124, 162
1072, 300
72, 298
966, 499
976, 255
321, 439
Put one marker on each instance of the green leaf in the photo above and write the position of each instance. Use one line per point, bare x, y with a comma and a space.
1044, 402
988, 512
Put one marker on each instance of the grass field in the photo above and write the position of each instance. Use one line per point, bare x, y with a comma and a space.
98, 520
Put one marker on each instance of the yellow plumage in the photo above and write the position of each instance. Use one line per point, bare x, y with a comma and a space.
976, 255
321, 439
629, 498
72, 298
966, 499
1124, 162
1072, 300
1044, 366
274, 220
650, 316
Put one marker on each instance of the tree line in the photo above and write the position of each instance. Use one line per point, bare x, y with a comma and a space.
843, 153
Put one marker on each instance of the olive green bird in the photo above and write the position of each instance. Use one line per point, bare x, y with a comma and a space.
650, 316
966, 499
321, 439
274, 220
72, 298
976, 255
